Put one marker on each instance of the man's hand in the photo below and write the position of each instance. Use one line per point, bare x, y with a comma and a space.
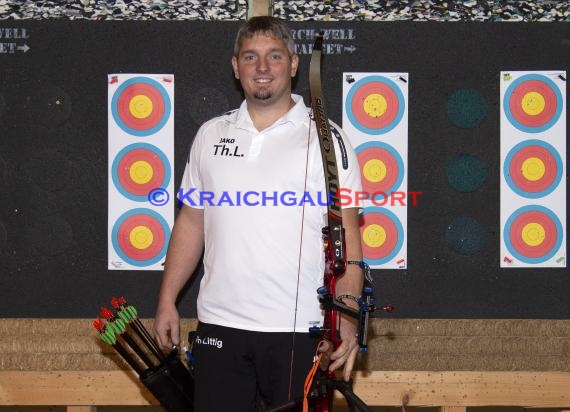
347, 351
167, 328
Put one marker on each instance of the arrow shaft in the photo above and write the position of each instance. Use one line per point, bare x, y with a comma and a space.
147, 338
127, 357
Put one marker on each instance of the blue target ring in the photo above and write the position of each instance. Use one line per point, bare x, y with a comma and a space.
154, 223
541, 85
394, 232
154, 93
387, 92
547, 219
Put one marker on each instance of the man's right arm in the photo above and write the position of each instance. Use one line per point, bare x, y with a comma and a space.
184, 253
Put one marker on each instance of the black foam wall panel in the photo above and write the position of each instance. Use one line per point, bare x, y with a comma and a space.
53, 155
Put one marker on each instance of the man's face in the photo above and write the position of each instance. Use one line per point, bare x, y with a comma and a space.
264, 69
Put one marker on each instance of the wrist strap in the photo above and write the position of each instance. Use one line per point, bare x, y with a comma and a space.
364, 266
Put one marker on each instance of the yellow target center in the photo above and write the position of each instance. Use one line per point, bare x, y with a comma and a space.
374, 235
533, 169
141, 172
140, 106
374, 170
141, 237
533, 234
375, 105
533, 103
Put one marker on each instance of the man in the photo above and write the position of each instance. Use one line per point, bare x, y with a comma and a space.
263, 253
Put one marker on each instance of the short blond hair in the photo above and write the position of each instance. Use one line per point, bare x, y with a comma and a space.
268, 25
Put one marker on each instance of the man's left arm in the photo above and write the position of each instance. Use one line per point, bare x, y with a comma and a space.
349, 284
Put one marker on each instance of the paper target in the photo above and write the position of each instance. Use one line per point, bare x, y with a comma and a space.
141, 106
381, 167
382, 235
140, 237
375, 118
138, 223
138, 169
533, 169
533, 234
533, 158
375, 105
533, 103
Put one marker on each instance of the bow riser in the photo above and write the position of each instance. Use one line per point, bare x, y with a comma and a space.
335, 266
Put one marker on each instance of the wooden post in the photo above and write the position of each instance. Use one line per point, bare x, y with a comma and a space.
260, 8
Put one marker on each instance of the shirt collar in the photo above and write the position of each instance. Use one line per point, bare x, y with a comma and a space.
298, 114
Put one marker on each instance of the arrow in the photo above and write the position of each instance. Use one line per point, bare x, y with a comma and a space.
119, 327
128, 313
351, 49
107, 335
24, 48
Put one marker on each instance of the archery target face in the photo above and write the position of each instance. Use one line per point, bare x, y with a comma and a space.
138, 169
533, 103
375, 105
533, 234
140, 237
382, 235
533, 168
141, 106
381, 167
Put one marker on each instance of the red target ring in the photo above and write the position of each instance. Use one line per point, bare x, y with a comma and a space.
521, 94
547, 176
138, 169
381, 167
546, 234
533, 168
375, 105
128, 162
125, 100
382, 235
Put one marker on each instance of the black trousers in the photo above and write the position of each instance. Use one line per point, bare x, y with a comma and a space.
238, 370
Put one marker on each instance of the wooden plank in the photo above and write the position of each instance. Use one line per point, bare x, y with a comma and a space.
81, 409
441, 389
73, 388
452, 409
527, 389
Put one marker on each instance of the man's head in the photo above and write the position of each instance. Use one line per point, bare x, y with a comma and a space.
264, 61
269, 26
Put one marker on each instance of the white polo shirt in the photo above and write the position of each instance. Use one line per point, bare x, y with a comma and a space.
262, 233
